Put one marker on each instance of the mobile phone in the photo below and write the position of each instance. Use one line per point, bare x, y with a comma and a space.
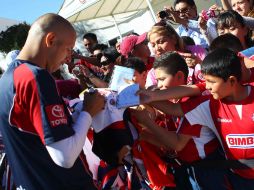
207, 14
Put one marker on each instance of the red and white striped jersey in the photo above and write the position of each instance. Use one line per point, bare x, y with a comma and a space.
233, 124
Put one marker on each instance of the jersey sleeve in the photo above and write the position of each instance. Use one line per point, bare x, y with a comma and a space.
37, 95
186, 128
197, 110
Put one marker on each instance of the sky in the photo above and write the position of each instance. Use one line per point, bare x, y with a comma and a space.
28, 10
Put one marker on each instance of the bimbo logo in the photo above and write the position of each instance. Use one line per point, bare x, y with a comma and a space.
56, 115
240, 140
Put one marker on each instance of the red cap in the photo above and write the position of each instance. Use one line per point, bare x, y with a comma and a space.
130, 42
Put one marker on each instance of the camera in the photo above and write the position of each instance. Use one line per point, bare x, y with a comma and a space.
207, 14
163, 14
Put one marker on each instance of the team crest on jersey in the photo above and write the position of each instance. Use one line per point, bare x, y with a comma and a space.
240, 141
56, 115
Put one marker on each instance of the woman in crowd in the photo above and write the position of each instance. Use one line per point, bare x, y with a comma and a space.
243, 7
163, 38
107, 61
232, 22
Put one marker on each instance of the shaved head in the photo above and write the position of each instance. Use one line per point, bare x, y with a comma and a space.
51, 23
50, 41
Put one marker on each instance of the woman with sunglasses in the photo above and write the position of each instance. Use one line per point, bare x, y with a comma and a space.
108, 59
182, 12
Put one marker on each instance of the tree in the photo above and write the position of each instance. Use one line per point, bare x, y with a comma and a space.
13, 37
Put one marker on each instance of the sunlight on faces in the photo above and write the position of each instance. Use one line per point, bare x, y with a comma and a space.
88, 43
236, 29
106, 65
185, 11
62, 50
165, 80
241, 6
162, 43
140, 78
141, 50
218, 87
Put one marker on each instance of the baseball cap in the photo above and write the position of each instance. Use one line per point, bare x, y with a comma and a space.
130, 42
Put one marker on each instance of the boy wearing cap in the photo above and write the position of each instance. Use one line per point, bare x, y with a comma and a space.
137, 46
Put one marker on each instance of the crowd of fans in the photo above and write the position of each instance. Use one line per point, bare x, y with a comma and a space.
194, 127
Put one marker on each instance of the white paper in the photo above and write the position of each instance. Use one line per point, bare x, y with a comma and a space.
121, 77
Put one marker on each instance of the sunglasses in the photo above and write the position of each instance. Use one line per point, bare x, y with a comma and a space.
105, 62
183, 11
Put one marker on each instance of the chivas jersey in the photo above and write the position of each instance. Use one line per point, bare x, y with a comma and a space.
233, 124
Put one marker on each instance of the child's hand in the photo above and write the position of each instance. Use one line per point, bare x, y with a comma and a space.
174, 16
85, 71
191, 59
202, 22
217, 8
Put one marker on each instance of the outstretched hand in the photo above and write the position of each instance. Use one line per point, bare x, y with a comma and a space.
146, 96
217, 8
191, 59
174, 16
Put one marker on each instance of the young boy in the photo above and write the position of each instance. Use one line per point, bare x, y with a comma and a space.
140, 72
227, 112
191, 145
145, 155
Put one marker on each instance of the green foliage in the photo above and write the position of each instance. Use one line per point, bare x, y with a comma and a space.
13, 37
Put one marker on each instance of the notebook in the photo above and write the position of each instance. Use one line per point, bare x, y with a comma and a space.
127, 96
116, 102
121, 77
